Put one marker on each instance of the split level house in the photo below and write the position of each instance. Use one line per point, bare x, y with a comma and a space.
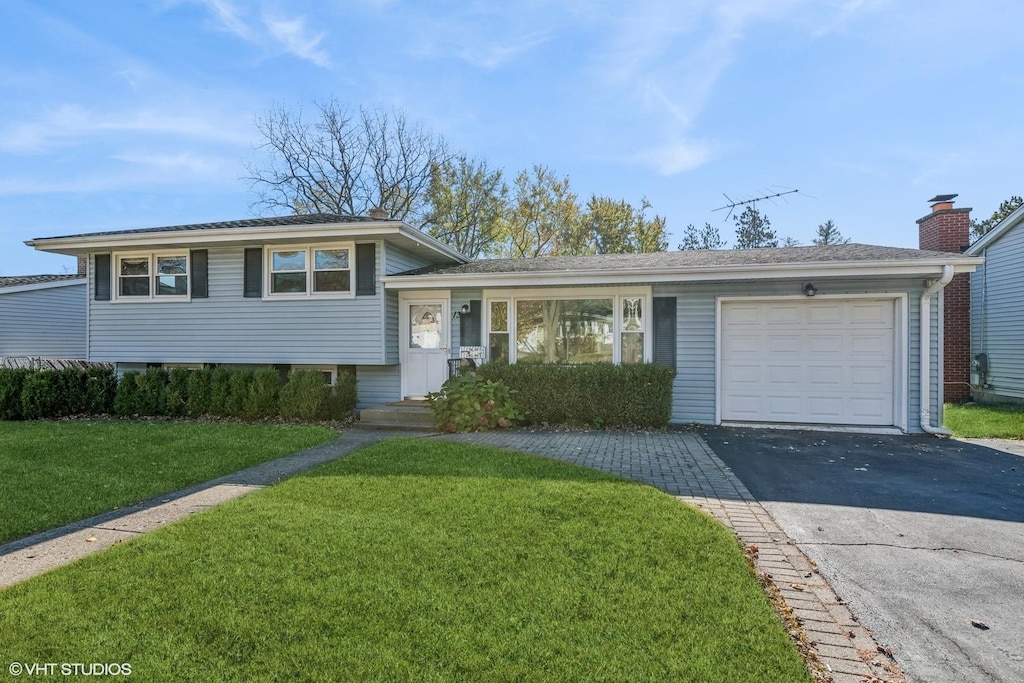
838, 335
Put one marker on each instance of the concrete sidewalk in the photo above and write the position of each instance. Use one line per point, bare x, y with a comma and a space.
27, 557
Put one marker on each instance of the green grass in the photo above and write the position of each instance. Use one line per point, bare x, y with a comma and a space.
985, 421
52, 473
418, 560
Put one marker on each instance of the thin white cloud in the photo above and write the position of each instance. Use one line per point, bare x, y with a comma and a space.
193, 164
296, 38
676, 157
491, 55
271, 32
73, 124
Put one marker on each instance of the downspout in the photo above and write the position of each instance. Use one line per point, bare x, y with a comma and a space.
926, 352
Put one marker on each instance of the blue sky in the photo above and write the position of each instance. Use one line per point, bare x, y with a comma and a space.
136, 114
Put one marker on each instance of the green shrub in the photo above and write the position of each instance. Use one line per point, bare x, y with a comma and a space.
343, 395
261, 401
128, 397
41, 395
154, 392
598, 394
470, 403
69, 386
238, 392
220, 392
100, 388
199, 393
11, 382
305, 396
176, 396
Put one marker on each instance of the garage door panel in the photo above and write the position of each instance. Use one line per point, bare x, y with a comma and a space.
825, 362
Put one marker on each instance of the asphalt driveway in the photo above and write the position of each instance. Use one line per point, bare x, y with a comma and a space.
924, 537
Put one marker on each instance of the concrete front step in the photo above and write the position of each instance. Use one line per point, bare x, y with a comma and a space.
397, 416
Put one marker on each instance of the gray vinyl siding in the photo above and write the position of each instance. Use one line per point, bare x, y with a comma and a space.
694, 391
377, 384
227, 327
396, 260
460, 297
998, 322
47, 322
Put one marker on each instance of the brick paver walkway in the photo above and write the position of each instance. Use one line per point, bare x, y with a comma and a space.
682, 465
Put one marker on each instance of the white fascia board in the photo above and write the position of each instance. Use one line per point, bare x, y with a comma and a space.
42, 285
83, 244
1003, 227
636, 276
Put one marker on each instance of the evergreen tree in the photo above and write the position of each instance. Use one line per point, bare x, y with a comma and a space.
754, 231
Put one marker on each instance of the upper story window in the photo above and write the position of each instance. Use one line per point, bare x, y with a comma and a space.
154, 275
310, 271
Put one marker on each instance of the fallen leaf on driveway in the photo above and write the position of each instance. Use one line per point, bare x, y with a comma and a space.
979, 624
798, 586
90, 539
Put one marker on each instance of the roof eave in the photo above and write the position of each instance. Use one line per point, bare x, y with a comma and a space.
83, 244
694, 274
993, 235
43, 285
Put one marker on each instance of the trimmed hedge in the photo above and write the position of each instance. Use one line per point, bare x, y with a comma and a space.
598, 394
223, 392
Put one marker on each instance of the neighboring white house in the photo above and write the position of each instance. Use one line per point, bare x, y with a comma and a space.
997, 313
836, 335
42, 316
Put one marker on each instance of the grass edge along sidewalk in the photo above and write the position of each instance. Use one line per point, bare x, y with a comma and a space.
55, 473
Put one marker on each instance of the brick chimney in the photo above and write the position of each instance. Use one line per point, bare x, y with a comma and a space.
379, 214
949, 229
83, 265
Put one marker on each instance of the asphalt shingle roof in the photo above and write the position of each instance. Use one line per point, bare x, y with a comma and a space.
19, 280
705, 258
305, 219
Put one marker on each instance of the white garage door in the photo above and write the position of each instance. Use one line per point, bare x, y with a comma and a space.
809, 361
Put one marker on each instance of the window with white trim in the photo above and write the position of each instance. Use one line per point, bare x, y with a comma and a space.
153, 275
319, 270
568, 328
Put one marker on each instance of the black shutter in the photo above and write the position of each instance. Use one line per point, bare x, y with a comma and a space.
102, 277
253, 276
469, 325
199, 262
665, 330
366, 269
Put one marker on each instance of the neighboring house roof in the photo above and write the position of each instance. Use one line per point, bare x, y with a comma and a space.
254, 231
1001, 228
835, 260
12, 283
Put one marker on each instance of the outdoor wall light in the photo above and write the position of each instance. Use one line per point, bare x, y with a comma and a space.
461, 312
809, 289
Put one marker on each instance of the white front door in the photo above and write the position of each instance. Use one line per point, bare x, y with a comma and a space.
425, 346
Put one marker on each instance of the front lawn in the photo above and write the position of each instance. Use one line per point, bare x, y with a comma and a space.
52, 473
979, 421
418, 560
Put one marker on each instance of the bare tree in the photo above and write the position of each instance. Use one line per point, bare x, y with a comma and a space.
344, 162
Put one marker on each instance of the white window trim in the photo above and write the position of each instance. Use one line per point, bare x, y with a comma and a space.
310, 250
152, 256
617, 294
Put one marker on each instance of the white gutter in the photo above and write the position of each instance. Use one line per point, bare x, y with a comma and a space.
926, 349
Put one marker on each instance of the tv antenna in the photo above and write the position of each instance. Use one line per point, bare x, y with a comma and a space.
733, 204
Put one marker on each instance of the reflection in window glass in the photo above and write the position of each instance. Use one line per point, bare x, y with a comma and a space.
424, 326
330, 270
571, 331
171, 275
133, 278
632, 350
288, 260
